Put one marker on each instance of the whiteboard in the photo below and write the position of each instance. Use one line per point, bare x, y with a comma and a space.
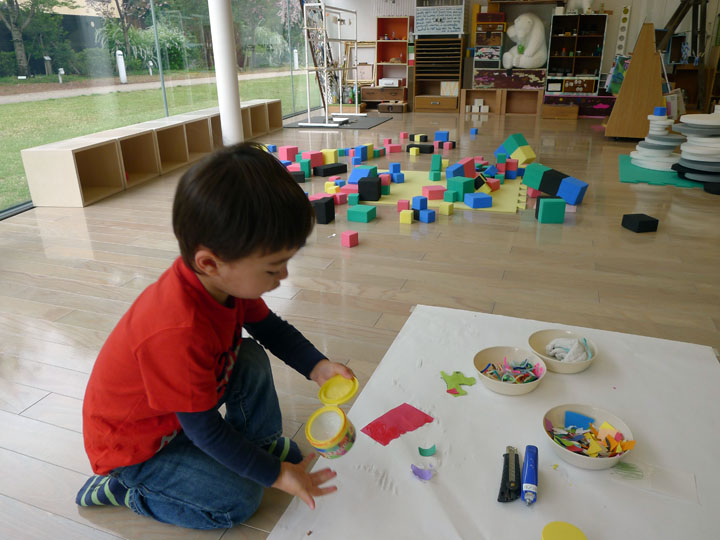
439, 20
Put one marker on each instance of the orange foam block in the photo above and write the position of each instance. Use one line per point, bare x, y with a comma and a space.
433, 192
349, 238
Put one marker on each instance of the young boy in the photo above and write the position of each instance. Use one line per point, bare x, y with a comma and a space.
152, 429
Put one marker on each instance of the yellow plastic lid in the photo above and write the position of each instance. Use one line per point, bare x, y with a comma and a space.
337, 390
561, 530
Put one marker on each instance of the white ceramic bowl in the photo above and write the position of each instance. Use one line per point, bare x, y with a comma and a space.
556, 415
541, 338
496, 355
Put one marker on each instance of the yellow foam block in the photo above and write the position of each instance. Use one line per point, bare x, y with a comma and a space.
445, 163
331, 188
418, 136
414, 151
330, 155
524, 155
485, 189
406, 216
447, 208
371, 149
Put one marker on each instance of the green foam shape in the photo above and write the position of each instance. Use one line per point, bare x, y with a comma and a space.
454, 381
632, 174
427, 452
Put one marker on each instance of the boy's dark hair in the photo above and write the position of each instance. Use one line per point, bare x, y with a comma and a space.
239, 201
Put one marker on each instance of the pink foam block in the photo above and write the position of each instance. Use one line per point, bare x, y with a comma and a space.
340, 198
319, 196
352, 153
570, 208
494, 183
392, 148
433, 192
479, 159
436, 144
316, 158
501, 167
385, 179
294, 167
333, 178
403, 135
288, 153
468, 164
533, 192
349, 188
403, 204
447, 146
349, 238
511, 165
387, 141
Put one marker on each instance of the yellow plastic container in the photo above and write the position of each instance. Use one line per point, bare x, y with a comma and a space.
329, 430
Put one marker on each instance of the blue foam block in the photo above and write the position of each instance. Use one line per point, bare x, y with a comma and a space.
285, 162
511, 175
501, 150
427, 216
394, 167
357, 174
340, 183
490, 171
356, 160
442, 136
478, 200
456, 169
473, 131
577, 420
397, 178
362, 152
572, 190
419, 203
521, 172
271, 147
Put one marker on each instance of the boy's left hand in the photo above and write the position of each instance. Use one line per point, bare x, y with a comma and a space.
325, 369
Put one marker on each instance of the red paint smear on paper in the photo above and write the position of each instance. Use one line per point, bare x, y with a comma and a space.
452, 391
395, 422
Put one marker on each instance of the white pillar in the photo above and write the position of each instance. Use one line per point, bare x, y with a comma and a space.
223, 39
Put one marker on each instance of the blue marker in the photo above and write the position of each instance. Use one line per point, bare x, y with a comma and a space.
530, 475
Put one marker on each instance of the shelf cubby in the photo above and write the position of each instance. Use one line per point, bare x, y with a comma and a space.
199, 138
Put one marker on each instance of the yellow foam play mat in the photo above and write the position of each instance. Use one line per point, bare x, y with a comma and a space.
511, 196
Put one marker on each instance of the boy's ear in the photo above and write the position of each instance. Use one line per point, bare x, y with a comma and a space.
206, 261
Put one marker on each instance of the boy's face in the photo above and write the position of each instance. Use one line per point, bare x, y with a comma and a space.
249, 277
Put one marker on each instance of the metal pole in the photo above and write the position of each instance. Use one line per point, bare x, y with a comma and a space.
290, 49
307, 60
159, 57
325, 54
357, 97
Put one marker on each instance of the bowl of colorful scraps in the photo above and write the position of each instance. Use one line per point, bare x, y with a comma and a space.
588, 437
509, 370
563, 351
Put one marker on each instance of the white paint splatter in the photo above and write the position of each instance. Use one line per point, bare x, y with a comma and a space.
382, 477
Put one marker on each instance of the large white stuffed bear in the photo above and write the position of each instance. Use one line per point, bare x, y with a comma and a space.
581, 6
531, 51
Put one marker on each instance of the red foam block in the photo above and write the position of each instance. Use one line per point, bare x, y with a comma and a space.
349, 238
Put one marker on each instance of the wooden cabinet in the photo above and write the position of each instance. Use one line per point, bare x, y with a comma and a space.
391, 51
438, 73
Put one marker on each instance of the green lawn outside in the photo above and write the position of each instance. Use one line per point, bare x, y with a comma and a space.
24, 125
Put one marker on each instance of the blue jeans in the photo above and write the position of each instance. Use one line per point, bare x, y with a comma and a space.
184, 486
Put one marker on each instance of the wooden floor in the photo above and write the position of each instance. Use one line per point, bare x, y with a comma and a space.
67, 275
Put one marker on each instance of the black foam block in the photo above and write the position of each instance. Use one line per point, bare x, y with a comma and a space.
640, 223
324, 210
299, 176
370, 189
330, 169
424, 148
416, 214
479, 181
550, 181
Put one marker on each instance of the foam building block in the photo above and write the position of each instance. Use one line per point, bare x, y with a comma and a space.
403, 135
377, 153
316, 158
393, 148
403, 204
427, 216
398, 178
533, 175
394, 167
447, 146
533, 193
361, 213
298, 175
331, 188
436, 145
500, 167
385, 190
473, 131
340, 198
501, 158
442, 136
324, 210
517, 147
640, 223
353, 199
349, 238
447, 208
370, 149
330, 169
271, 148
550, 182
468, 164
341, 152
339, 182
572, 190
435, 176
419, 203
445, 163
387, 141
436, 163
349, 188
485, 188
461, 185
287, 153
550, 210
361, 152
361, 172
490, 171
422, 148
294, 167
478, 200
355, 161
406, 217
419, 137
414, 151
479, 181
306, 167
385, 179
456, 170
330, 155
493, 184
285, 162
451, 196
370, 189
433, 193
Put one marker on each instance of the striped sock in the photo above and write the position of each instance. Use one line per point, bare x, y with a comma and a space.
103, 491
285, 449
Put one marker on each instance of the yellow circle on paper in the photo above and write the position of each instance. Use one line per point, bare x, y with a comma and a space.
561, 530
337, 390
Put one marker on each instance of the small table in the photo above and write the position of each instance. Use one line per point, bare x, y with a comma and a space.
666, 391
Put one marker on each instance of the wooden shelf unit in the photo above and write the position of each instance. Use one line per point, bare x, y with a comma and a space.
504, 100
437, 60
575, 54
391, 48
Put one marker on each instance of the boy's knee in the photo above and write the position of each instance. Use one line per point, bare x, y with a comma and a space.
252, 357
246, 506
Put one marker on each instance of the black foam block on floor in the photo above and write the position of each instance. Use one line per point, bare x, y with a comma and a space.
479, 181
370, 189
324, 210
330, 169
550, 181
299, 176
424, 148
640, 223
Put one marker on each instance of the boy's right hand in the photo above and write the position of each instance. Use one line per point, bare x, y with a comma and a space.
295, 480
